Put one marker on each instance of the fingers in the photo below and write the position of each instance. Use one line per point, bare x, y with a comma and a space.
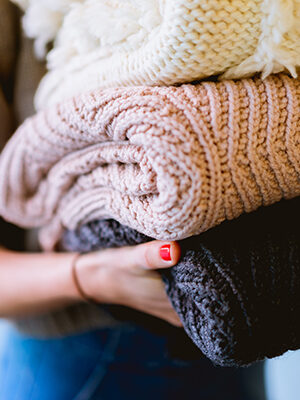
127, 276
174, 320
154, 255
170, 317
168, 314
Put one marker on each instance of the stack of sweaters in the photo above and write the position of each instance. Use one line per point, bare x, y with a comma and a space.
123, 165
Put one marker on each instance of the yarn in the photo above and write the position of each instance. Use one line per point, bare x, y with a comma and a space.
168, 162
110, 43
236, 287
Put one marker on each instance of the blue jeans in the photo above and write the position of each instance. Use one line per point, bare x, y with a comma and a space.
112, 364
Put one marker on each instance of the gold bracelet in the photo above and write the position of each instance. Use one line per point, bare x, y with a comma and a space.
77, 284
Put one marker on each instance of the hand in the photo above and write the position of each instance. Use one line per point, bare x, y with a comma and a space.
127, 276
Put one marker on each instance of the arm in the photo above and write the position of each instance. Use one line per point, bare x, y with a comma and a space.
33, 283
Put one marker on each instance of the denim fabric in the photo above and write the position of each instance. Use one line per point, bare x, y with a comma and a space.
113, 364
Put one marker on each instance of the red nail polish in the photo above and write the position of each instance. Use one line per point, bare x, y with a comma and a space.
165, 252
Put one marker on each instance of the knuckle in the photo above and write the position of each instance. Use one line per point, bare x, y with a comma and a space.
146, 258
176, 322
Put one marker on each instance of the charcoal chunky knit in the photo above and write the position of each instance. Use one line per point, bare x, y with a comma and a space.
236, 288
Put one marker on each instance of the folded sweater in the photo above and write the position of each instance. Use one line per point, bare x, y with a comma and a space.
168, 162
109, 43
236, 287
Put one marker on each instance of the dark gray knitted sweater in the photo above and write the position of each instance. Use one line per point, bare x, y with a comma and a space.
236, 287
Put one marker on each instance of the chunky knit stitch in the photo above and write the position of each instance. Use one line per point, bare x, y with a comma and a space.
168, 162
236, 287
109, 43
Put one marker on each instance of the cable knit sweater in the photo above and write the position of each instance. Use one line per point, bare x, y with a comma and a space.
110, 43
236, 287
168, 162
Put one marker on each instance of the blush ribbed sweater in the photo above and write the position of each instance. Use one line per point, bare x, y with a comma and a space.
236, 287
169, 162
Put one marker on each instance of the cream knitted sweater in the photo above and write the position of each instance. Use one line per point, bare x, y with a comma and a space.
109, 43
169, 162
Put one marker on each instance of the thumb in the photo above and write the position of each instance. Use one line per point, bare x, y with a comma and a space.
157, 254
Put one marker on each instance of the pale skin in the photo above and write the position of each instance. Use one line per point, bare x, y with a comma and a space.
34, 283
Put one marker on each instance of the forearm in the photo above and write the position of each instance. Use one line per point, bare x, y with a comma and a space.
33, 283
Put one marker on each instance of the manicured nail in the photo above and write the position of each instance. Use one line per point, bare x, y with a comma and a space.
165, 252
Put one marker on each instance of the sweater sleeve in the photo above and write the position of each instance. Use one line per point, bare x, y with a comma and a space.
236, 287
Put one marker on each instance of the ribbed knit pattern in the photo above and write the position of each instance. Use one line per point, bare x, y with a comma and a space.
236, 287
169, 162
151, 42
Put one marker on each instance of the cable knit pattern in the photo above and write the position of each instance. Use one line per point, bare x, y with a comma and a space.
110, 43
169, 162
236, 287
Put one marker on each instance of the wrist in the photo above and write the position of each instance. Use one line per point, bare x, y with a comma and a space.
91, 279
68, 288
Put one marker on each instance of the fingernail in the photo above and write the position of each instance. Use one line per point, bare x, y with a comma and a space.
165, 252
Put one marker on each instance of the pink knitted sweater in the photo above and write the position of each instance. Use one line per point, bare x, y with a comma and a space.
170, 162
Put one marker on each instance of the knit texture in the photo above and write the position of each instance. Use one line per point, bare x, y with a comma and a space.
236, 287
168, 162
110, 43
